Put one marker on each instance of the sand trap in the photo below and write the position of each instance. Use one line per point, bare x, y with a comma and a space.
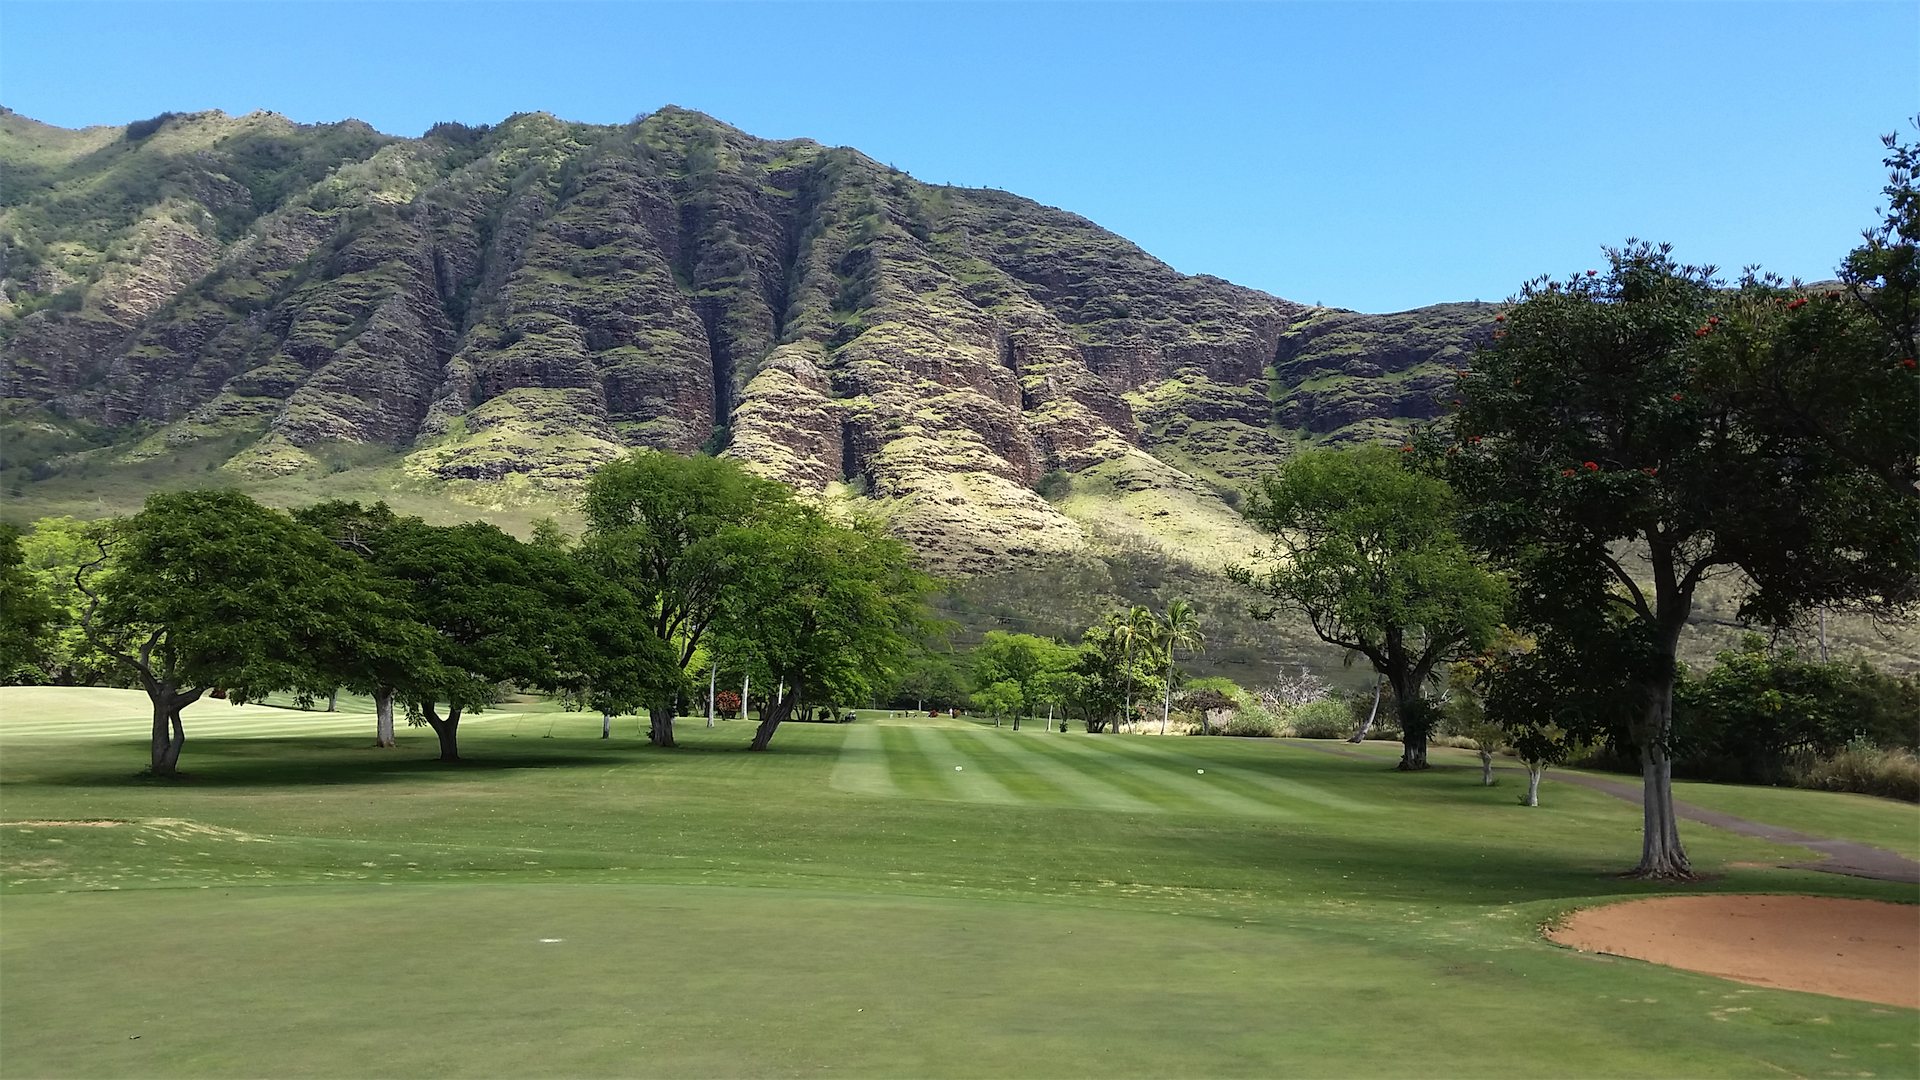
1867, 950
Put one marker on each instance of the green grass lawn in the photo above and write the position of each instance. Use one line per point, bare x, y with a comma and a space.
1061, 905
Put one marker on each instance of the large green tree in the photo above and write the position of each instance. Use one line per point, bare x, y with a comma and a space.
27, 614
356, 529
1632, 433
211, 590
669, 529
498, 613
1367, 546
830, 611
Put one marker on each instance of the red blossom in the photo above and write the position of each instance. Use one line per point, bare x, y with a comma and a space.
1679, 397
1499, 318
1406, 449
1797, 304
1907, 363
1713, 320
1566, 472
1591, 466
1593, 273
1474, 439
1651, 470
1703, 331
1456, 401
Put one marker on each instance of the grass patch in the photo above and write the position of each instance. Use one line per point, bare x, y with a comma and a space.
1064, 904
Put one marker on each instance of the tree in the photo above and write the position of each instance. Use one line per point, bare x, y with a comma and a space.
1367, 547
1632, 433
353, 528
1180, 629
27, 613
1021, 659
212, 590
1107, 668
497, 612
1134, 632
1000, 699
831, 611
669, 530
1549, 703
52, 552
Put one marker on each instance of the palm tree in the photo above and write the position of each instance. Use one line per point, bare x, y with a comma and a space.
1136, 628
1180, 629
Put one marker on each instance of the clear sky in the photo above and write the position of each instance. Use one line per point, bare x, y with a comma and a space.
1368, 155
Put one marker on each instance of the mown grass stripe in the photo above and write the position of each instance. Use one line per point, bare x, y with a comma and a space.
1076, 754
1066, 785
940, 748
863, 767
1256, 781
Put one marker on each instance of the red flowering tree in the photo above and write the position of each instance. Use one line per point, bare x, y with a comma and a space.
1639, 431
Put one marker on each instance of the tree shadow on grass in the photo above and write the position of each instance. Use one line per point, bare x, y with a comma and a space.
302, 761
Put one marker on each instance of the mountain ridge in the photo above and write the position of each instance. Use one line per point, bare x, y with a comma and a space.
505, 306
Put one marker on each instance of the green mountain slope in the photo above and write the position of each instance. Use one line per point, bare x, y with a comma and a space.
485, 314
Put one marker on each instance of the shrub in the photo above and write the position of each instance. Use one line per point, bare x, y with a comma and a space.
1323, 719
1250, 723
1866, 769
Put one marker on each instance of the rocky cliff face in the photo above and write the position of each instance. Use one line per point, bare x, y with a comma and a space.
507, 307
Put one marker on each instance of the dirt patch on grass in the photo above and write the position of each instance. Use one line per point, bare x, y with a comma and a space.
1868, 950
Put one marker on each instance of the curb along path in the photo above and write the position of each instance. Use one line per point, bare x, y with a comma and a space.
1842, 856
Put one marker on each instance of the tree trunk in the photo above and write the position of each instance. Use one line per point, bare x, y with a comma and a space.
178, 743
746, 702
1535, 770
1661, 856
333, 699
383, 717
660, 725
169, 735
1361, 735
713, 673
447, 730
161, 763
1416, 721
606, 724
772, 715
1486, 768
1049, 726
1166, 703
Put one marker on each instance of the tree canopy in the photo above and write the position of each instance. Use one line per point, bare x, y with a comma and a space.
1367, 546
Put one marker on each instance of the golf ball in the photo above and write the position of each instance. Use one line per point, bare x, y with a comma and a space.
956, 768
1202, 772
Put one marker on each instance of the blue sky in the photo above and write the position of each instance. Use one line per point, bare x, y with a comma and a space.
1368, 155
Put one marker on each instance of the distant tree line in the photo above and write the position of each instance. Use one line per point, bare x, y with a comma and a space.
684, 561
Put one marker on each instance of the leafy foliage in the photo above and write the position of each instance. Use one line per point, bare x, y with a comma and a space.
1367, 548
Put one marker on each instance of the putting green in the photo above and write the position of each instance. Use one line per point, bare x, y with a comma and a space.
1060, 905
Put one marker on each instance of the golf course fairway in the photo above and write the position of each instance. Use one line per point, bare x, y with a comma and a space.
303, 904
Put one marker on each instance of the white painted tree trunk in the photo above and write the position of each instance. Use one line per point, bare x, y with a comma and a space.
713, 673
746, 685
383, 717
1486, 768
606, 725
780, 694
1535, 770
1049, 726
